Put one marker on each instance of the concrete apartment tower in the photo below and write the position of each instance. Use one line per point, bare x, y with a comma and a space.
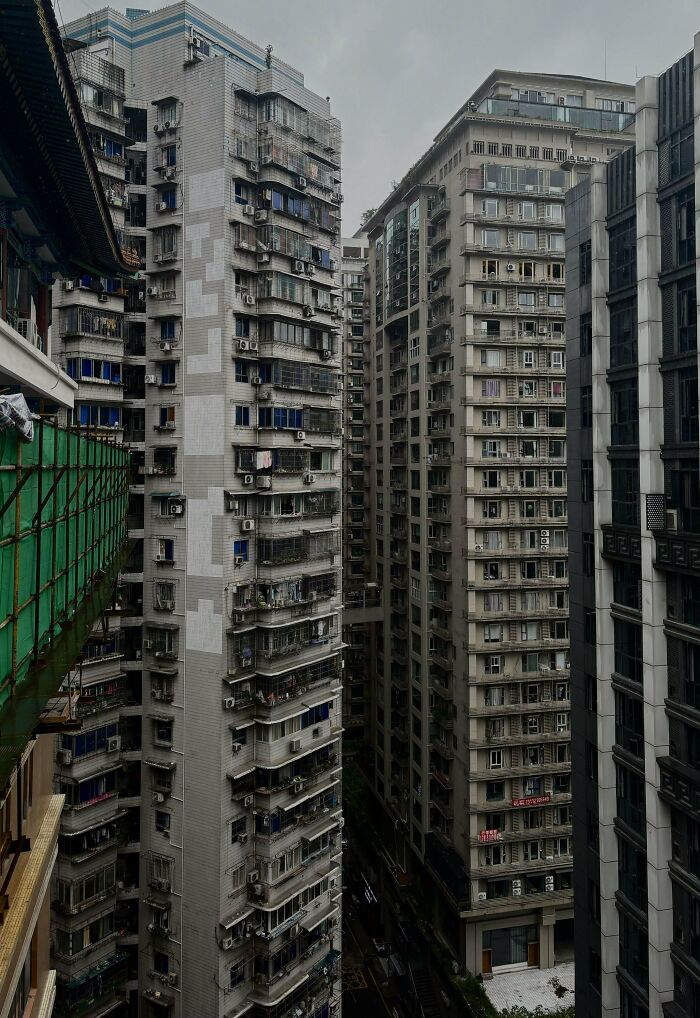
360, 593
225, 818
471, 720
632, 365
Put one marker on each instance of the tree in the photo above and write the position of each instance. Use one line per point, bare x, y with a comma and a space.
365, 217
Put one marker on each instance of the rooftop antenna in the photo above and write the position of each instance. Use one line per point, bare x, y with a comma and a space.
268, 56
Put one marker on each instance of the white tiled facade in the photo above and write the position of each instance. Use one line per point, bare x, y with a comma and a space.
231, 608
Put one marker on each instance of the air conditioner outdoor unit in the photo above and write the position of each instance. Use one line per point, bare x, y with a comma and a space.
248, 478
152, 291
247, 525
309, 478
295, 746
238, 560
236, 747
169, 172
256, 380
261, 216
478, 547
176, 509
310, 269
562, 100
227, 943
229, 702
158, 797
253, 166
266, 160
68, 285
481, 896
159, 557
104, 297
309, 311
150, 379
249, 210
66, 757
242, 839
113, 744
162, 206
542, 330
172, 978
253, 877
326, 355
249, 299
263, 258
301, 182
263, 481
248, 801
253, 345
166, 347
243, 345
265, 394
297, 266
300, 436
510, 267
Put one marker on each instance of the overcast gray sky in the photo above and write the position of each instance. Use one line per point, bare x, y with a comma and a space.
396, 70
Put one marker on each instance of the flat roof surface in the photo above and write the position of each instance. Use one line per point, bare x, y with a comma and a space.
532, 988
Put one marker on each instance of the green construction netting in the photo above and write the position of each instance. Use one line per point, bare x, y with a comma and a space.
47, 570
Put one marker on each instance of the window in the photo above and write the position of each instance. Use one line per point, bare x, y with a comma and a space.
236, 974
495, 791
584, 263
528, 210
586, 406
478, 147
526, 298
554, 212
495, 759
527, 240
555, 242
555, 300
240, 550
489, 207
162, 821
242, 416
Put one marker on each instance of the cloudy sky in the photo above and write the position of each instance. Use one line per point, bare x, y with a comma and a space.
396, 70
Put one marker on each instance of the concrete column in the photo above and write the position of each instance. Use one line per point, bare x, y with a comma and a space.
546, 931
651, 481
605, 654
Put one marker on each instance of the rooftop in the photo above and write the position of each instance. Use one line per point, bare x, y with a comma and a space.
532, 988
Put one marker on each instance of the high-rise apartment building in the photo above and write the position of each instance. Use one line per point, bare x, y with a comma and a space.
219, 683
635, 589
471, 703
63, 498
360, 593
